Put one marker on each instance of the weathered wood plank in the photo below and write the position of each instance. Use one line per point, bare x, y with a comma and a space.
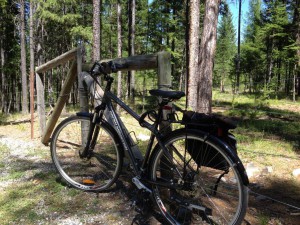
62, 59
83, 95
138, 62
63, 97
164, 70
164, 83
41, 103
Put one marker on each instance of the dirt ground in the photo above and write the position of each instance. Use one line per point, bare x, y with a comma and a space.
266, 192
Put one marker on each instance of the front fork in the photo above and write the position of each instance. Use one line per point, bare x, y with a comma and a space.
92, 135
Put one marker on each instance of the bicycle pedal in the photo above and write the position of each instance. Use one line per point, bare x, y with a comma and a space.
88, 182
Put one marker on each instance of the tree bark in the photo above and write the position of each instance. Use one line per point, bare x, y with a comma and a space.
193, 52
96, 30
131, 48
238, 63
3, 80
23, 59
119, 31
297, 34
31, 43
206, 56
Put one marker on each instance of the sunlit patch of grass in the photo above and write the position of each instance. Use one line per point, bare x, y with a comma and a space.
4, 151
3, 117
263, 219
32, 200
14, 174
18, 204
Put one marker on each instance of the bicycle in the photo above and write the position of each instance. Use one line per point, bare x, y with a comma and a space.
178, 173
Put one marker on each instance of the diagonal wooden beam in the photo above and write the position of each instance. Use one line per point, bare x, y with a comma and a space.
60, 60
61, 101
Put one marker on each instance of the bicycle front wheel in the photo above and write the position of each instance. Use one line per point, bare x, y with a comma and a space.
197, 182
98, 172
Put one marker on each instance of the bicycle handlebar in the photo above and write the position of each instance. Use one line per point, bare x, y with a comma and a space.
105, 68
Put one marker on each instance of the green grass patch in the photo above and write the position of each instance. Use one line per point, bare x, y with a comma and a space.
19, 202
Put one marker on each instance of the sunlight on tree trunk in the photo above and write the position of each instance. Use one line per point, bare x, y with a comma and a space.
206, 56
119, 39
96, 30
193, 46
23, 59
131, 48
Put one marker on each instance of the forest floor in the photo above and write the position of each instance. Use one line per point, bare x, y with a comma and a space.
31, 191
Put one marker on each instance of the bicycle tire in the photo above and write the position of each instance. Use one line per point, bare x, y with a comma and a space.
193, 191
104, 166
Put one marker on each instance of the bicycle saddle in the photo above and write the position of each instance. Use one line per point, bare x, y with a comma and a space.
167, 94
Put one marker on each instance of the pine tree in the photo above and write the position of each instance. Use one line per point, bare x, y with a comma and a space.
225, 50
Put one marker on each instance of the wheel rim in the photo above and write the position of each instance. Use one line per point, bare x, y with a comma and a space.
96, 173
225, 205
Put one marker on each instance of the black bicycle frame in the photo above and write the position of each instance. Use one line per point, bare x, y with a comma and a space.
108, 96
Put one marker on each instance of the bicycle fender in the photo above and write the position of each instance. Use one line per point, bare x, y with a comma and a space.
234, 157
219, 143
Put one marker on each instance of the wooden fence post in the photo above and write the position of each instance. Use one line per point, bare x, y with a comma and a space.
82, 92
40, 103
164, 70
164, 83
161, 61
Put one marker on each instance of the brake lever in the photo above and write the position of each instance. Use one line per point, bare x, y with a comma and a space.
95, 70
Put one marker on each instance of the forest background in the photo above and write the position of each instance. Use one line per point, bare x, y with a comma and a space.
34, 32
260, 84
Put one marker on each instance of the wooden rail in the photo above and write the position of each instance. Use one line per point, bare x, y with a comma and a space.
138, 62
60, 60
159, 61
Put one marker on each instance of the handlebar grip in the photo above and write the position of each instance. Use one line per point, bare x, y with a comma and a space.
105, 68
95, 70
101, 68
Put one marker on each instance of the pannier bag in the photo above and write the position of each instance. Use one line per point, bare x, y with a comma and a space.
215, 125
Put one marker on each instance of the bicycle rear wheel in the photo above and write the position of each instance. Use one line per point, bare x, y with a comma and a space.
97, 173
198, 182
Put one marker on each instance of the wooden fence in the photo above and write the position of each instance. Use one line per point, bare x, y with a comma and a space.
160, 61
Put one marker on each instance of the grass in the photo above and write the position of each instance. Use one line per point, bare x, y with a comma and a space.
31, 193
263, 119
268, 134
35, 199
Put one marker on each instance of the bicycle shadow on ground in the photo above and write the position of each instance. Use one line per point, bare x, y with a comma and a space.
146, 214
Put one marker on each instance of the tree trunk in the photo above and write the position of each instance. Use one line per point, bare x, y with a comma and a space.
96, 30
206, 56
23, 59
297, 35
238, 63
270, 62
131, 49
294, 85
3, 80
222, 82
119, 31
193, 52
31, 43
